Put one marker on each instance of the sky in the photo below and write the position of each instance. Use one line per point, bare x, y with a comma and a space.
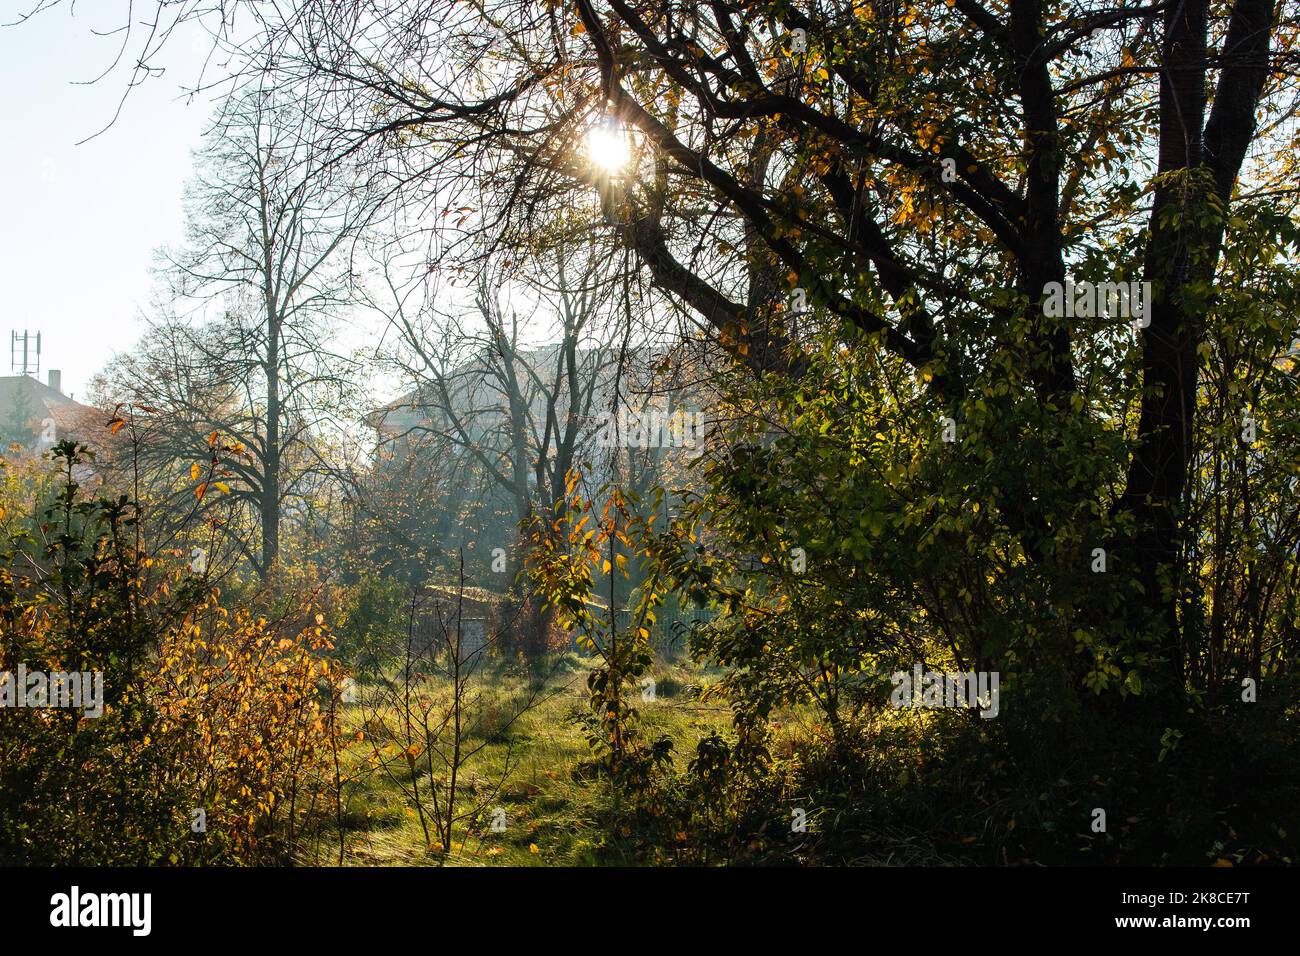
81, 223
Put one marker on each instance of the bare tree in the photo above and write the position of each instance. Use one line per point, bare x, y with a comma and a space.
263, 274
521, 414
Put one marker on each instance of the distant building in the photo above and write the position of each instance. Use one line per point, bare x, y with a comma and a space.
35, 416
476, 394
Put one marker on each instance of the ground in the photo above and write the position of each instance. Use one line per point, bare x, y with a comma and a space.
549, 802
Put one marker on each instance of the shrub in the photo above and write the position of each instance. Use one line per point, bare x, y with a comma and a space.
216, 739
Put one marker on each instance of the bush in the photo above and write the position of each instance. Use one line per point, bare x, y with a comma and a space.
217, 731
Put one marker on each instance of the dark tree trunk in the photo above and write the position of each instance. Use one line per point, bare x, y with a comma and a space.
1182, 252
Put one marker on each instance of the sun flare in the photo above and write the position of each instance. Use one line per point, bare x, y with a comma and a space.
607, 148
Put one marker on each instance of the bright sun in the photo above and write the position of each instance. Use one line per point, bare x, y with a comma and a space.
607, 148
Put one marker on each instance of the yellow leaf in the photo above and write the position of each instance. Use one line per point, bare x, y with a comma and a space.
194, 471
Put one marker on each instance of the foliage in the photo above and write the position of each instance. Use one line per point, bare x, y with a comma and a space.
205, 708
566, 556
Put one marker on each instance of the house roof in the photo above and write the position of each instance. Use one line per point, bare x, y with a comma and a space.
11, 385
39, 402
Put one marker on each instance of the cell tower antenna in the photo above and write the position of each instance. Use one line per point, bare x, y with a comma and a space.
25, 353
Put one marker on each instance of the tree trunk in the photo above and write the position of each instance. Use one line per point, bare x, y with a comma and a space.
270, 503
1182, 255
